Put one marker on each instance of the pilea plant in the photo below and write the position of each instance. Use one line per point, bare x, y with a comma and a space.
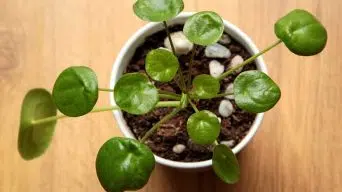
126, 164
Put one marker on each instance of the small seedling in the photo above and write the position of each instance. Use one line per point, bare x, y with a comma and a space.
126, 164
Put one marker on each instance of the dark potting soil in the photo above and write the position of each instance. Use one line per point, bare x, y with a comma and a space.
173, 132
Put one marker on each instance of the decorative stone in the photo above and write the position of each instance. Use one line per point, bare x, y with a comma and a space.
217, 51
230, 89
182, 45
225, 108
215, 68
179, 148
225, 39
236, 61
229, 143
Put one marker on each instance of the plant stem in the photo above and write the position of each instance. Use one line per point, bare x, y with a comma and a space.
168, 104
104, 89
169, 93
48, 119
193, 51
60, 116
216, 96
215, 142
101, 109
182, 85
169, 36
179, 72
193, 105
166, 96
249, 60
156, 126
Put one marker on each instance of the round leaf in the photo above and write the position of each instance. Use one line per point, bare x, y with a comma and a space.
255, 92
225, 164
204, 28
124, 164
161, 65
205, 86
33, 140
301, 32
75, 91
203, 127
158, 10
135, 94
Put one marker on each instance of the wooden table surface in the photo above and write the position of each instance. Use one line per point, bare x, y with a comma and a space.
298, 148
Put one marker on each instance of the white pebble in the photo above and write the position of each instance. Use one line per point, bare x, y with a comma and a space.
215, 68
230, 89
225, 108
229, 143
225, 39
217, 51
179, 148
236, 61
182, 45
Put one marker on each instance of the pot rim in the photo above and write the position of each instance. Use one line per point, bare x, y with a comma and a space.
145, 31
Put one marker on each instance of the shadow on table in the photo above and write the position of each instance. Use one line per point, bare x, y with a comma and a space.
166, 179
173, 180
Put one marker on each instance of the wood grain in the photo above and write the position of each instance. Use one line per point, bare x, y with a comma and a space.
298, 148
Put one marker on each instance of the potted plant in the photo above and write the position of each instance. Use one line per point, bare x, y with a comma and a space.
132, 58
126, 163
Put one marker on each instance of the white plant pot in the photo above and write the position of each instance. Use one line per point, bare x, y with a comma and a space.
138, 39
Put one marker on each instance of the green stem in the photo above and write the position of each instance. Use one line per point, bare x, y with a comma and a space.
169, 93
107, 90
48, 119
179, 72
168, 104
101, 109
193, 105
166, 96
60, 116
190, 66
215, 142
249, 60
156, 126
169, 36
216, 96
182, 85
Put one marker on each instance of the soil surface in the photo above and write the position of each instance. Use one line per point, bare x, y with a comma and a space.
233, 128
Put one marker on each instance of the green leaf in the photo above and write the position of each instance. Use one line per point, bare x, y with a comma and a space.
225, 164
203, 127
161, 65
204, 28
124, 164
205, 86
135, 94
301, 32
255, 92
157, 10
33, 140
75, 92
